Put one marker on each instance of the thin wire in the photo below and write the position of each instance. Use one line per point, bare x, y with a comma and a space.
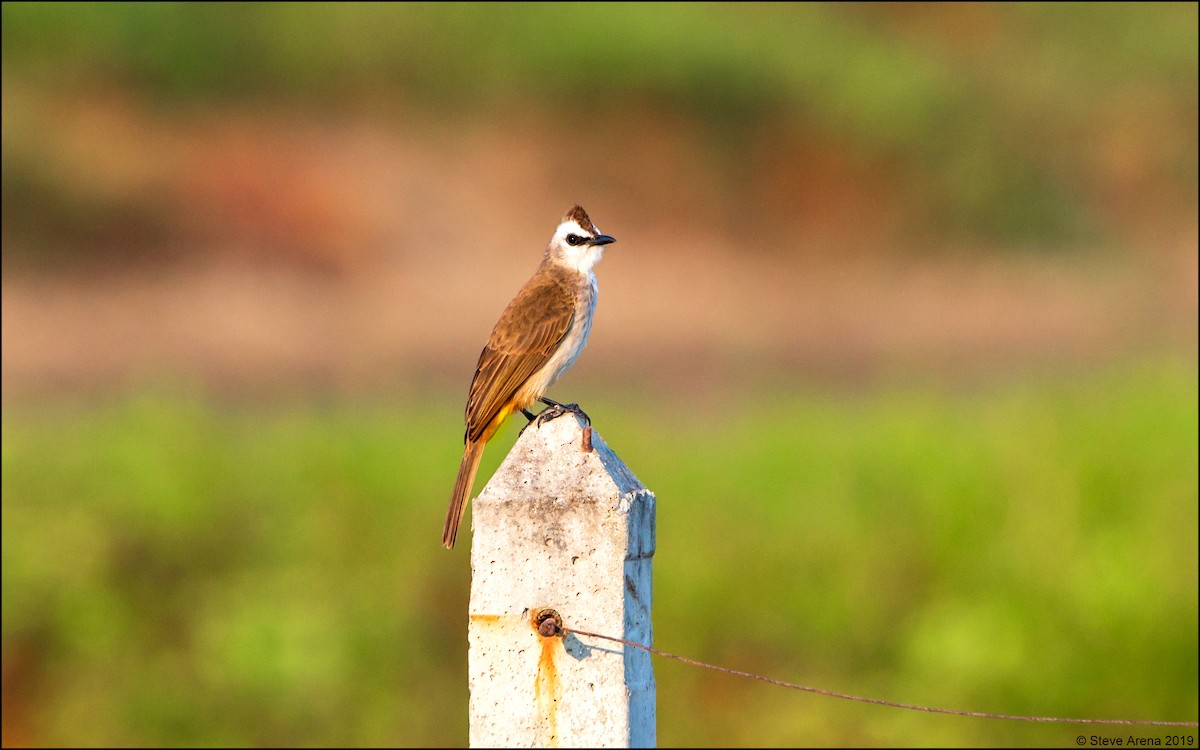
877, 701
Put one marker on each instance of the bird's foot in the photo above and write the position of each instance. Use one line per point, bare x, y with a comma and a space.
554, 410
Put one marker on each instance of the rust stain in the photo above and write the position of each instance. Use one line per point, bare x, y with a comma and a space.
548, 688
486, 619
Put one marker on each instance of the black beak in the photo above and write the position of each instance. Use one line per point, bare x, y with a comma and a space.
602, 239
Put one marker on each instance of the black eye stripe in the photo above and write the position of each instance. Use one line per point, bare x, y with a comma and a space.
574, 239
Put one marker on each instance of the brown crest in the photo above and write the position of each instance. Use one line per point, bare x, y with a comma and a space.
581, 218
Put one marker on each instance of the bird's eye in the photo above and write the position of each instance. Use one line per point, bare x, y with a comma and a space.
574, 240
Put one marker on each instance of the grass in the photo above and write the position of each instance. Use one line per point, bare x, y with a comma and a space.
177, 571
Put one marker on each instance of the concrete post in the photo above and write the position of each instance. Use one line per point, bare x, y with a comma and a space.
565, 529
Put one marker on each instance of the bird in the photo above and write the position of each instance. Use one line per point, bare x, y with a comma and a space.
537, 339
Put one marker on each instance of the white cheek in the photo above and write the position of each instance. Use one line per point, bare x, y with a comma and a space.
587, 256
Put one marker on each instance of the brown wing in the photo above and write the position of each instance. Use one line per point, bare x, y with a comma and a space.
526, 336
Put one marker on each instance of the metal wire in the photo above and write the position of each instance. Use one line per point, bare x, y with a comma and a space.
878, 701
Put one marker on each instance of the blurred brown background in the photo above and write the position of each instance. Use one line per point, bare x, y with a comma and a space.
349, 232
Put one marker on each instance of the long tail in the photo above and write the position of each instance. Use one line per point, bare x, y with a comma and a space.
462, 491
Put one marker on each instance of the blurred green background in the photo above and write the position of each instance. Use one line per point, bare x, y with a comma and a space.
901, 328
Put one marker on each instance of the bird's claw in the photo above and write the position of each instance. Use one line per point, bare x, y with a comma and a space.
556, 410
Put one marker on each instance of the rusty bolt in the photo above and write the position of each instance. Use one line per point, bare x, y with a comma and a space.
548, 623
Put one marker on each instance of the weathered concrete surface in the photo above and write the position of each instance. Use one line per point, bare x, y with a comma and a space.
557, 527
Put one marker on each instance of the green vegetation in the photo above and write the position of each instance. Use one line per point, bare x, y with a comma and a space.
181, 572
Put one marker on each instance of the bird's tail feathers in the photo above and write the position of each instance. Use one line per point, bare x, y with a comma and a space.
462, 491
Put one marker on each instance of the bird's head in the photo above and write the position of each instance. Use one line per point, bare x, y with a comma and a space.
577, 242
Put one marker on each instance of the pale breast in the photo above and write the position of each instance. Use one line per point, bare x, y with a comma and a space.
572, 344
